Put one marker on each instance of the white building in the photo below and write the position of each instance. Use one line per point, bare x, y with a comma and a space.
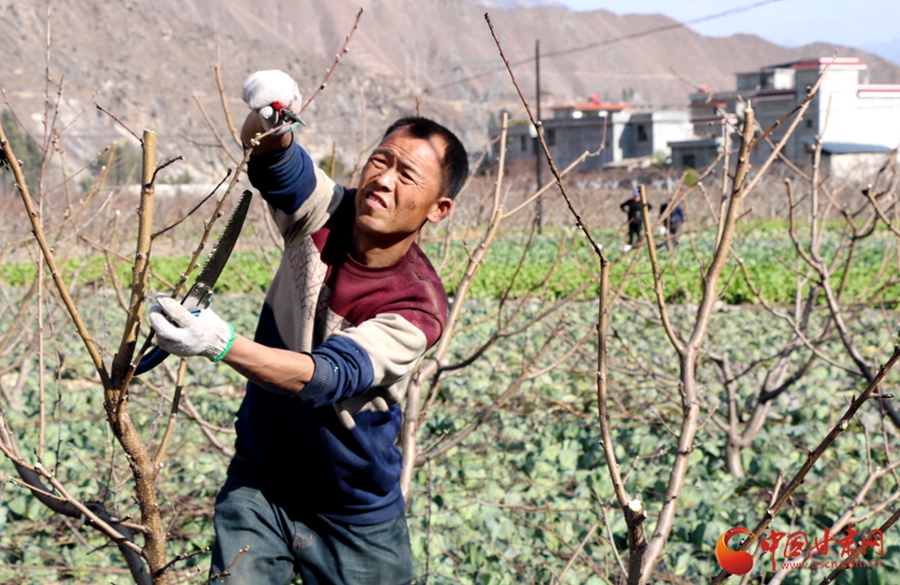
626, 134
850, 115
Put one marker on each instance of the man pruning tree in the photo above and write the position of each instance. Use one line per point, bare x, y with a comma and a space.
314, 487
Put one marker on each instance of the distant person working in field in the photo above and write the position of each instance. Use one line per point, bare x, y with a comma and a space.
673, 224
635, 220
314, 487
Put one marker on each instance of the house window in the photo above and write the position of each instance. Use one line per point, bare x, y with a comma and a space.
809, 123
551, 136
523, 143
688, 160
641, 133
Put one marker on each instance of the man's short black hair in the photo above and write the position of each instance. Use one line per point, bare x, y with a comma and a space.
455, 162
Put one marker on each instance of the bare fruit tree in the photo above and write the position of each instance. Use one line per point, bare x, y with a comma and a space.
148, 562
690, 343
570, 334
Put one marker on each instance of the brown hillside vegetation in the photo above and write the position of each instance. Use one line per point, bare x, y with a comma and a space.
145, 60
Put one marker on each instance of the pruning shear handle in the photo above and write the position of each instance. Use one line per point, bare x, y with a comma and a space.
197, 299
155, 356
286, 114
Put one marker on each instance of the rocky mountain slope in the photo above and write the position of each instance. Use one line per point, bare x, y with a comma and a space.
145, 61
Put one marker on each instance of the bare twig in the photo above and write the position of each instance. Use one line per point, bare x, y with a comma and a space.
776, 490
195, 208
215, 131
337, 59
120, 122
814, 455
178, 559
173, 417
578, 550
658, 286
227, 570
38, 231
411, 458
633, 509
217, 72
848, 562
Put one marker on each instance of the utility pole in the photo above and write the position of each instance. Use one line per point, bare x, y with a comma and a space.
537, 149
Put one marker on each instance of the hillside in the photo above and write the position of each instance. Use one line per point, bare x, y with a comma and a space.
145, 60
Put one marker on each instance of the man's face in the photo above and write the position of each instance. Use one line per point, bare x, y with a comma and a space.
401, 187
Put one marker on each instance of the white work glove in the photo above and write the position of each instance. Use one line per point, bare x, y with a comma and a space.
181, 333
263, 88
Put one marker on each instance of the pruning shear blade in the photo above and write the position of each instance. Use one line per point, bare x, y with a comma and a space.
287, 114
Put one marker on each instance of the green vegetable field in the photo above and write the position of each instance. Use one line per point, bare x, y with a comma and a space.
715, 402
518, 496
764, 247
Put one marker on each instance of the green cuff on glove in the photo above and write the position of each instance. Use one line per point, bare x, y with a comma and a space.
228, 345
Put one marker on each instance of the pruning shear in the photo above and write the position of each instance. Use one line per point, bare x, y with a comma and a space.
286, 114
200, 295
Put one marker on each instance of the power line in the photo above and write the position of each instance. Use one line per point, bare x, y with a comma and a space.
607, 42
663, 28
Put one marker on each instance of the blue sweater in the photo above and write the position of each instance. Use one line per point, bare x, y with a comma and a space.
331, 449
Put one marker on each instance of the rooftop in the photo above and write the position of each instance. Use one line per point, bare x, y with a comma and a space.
591, 107
847, 147
835, 62
594, 105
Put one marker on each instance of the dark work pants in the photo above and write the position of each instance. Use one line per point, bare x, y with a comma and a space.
320, 550
635, 230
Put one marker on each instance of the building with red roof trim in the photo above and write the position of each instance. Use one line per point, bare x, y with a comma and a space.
627, 134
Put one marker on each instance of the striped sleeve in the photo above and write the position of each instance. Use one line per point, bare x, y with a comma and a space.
378, 352
300, 195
